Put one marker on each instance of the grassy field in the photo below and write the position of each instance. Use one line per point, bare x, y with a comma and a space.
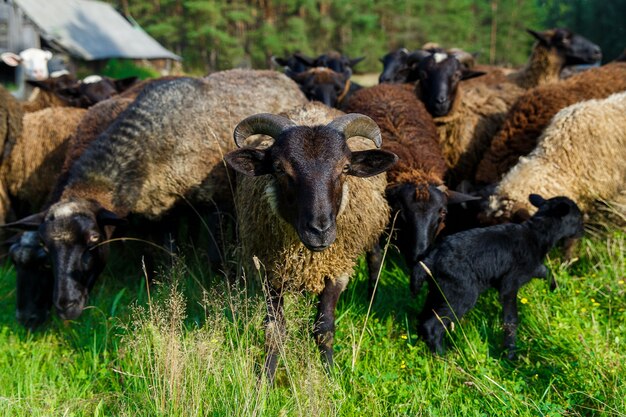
193, 346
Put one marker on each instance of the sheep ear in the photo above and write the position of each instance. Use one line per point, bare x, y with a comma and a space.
11, 59
29, 223
561, 209
536, 200
539, 36
467, 74
355, 61
305, 60
455, 197
367, 163
247, 161
108, 218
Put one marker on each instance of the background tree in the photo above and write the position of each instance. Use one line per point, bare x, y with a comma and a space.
213, 35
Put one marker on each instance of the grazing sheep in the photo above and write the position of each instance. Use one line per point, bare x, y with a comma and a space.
32, 161
305, 209
581, 155
166, 145
415, 186
533, 111
504, 257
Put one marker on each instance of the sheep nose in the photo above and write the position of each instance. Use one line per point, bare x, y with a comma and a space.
597, 52
441, 99
66, 304
320, 226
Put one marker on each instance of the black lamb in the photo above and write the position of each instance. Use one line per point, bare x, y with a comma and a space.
504, 257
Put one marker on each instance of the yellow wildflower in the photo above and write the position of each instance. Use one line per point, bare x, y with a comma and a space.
404, 337
524, 300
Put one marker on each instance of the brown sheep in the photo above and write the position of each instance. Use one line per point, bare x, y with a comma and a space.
32, 162
533, 111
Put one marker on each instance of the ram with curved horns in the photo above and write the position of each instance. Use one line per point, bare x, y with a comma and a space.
307, 206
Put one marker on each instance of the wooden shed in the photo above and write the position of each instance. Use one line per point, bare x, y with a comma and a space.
85, 30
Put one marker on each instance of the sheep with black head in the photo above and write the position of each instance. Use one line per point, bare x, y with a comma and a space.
307, 207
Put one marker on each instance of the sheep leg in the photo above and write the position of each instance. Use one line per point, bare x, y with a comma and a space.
324, 330
509, 320
274, 331
374, 261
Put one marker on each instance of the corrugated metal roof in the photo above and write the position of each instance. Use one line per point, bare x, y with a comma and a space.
91, 30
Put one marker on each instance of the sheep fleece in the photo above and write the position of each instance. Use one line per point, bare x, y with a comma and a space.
170, 142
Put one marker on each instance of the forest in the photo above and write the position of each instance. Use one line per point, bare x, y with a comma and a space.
216, 35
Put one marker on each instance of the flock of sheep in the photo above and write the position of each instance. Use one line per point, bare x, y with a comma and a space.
317, 170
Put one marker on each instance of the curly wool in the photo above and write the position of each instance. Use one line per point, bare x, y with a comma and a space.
465, 133
287, 262
534, 110
408, 131
580, 155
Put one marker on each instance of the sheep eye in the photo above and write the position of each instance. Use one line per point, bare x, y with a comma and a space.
346, 168
93, 238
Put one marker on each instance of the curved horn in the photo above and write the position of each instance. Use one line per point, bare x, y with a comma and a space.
260, 124
356, 124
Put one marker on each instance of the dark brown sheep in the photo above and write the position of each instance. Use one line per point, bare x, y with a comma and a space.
415, 187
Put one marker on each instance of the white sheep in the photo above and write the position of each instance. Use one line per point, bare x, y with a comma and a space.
31, 64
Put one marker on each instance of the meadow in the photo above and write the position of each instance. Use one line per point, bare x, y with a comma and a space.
192, 345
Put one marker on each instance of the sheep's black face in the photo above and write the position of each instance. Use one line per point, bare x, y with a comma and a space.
421, 216
395, 67
439, 77
323, 85
73, 232
309, 165
34, 281
576, 49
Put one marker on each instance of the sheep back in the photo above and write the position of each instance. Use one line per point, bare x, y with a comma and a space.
169, 143
533, 111
287, 262
580, 155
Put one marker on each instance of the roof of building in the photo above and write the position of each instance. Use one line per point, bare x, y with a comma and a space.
91, 30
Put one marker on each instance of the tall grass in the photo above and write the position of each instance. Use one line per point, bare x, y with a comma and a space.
192, 345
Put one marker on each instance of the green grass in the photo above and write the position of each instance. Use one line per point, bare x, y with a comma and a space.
193, 346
